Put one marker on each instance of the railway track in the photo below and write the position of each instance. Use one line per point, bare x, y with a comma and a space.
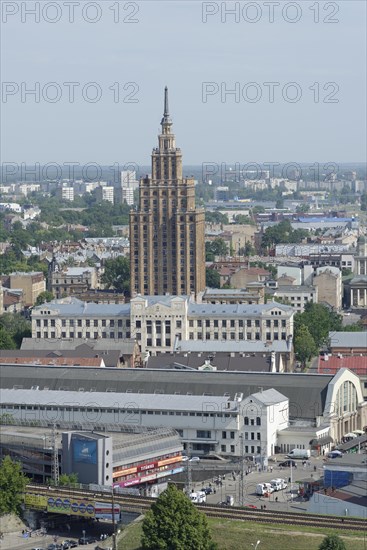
141, 504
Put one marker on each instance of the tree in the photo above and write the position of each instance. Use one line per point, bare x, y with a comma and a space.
117, 274
12, 486
216, 217
68, 479
218, 247
6, 341
16, 326
320, 321
304, 345
248, 250
332, 542
212, 278
174, 523
44, 297
279, 204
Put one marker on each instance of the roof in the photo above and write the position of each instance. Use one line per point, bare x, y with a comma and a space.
53, 361
294, 289
355, 493
245, 310
103, 400
220, 360
228, 346
72, 307
348, 339
305, 404
355, 363
269, 397
125, 346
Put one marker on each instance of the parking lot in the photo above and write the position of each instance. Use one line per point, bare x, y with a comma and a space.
230, 484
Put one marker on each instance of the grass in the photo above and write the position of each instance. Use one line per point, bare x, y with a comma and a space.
238, 535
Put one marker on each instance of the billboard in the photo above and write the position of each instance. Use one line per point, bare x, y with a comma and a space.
85, 451
103, 510
71, 507
35, 501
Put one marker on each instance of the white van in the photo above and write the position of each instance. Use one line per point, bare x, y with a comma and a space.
299, 453
198, 498
264, 488
278, 484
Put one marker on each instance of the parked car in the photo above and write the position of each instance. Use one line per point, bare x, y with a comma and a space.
71, 543
288, 463
250, 506
194, 459
335, 454
87, 540
207, 490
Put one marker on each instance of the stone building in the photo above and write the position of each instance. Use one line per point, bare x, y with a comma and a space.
167, 251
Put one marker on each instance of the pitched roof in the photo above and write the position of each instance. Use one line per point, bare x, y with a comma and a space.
305, 404
348, 339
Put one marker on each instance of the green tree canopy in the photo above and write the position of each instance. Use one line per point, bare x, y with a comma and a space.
117, 274
16, 326
320, 320
282, 233
12, 485
216, 217
218, 247
332, 542
68, 480
174, 523
212, 278
6, 341
304, 344
44, 297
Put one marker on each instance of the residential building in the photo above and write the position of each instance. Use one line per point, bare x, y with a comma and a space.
254, 293
31, 283
65, 192
348, 343
167, 249
296, 296
328, 283
73, 280
105, 193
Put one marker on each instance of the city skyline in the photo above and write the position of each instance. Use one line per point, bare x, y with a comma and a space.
321, 61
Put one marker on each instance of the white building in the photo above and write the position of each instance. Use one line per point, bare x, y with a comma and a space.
157, 322
105, 193
65, 193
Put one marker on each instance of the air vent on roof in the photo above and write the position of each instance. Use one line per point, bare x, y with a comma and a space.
35, 387
189, 393
129, 391
226, 394
177, 393
158, 391
110, 390
208, 393
17, 387
46, 388
93, 389
81, 389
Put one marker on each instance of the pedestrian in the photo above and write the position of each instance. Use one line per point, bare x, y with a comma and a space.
271, 469
314, 468
276, 499
264, 506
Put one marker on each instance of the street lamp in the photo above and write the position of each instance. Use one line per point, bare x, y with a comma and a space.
256, 545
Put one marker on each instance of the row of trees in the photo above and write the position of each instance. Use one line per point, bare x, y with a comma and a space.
13, 328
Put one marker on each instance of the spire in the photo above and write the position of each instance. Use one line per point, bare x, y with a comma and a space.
166, 113
166, 121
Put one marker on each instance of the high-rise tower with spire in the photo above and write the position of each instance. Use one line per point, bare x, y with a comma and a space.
167, 251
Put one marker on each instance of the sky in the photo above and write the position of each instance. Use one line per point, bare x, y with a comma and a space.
298, 77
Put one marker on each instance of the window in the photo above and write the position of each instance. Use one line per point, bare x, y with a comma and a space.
258, 421
223, 448
232, 448
258, 435
232, 435
203, 434
252, 435
178, 324
224, 435
138, 324
246, 421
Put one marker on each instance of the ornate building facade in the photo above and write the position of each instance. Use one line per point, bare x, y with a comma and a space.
167, 249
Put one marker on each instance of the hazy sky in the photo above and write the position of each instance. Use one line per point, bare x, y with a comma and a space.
169, 44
